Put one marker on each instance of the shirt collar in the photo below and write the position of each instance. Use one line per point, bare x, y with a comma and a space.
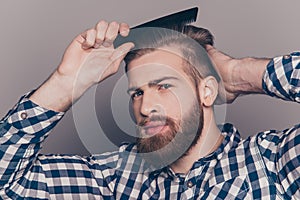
130, 161
231, 140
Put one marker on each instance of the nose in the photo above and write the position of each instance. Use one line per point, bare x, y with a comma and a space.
150, 104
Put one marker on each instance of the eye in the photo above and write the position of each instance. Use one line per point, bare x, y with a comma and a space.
136, 94
164, 86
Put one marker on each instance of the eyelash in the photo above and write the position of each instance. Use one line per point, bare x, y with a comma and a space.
164, 86
138, 93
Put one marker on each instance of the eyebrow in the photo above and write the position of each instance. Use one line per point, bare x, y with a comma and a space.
153, 83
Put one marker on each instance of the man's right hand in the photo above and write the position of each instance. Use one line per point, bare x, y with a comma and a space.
89, 59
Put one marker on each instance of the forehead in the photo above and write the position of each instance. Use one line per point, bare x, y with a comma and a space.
168, 56
155, 65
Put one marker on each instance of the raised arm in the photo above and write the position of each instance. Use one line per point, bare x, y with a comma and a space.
277, 77
89, 59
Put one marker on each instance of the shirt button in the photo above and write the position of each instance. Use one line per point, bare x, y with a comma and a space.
24, 115
190, 184
286, 56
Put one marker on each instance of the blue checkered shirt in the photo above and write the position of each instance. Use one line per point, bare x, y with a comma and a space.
264, 166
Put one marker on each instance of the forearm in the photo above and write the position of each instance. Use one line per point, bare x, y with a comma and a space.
58, 93
277, 77
247, 75
239, 76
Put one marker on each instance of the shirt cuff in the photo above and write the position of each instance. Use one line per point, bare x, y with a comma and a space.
278, 74
30, 117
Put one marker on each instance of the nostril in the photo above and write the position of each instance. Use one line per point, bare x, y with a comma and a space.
158, 109
151, 109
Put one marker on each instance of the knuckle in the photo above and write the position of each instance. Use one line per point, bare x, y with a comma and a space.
100, 37
99, 40
108, 38
88, 43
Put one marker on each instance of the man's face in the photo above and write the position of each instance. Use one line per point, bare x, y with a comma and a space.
165, 105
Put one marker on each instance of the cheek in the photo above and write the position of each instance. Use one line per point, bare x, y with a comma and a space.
172, 107
185, 101
174, 104
135, 109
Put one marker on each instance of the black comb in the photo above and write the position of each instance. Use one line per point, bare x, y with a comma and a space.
176, 19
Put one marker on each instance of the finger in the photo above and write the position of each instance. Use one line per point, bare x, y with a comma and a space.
124, 29
101, 29
89, 36
208, 47
215, 53
111, 34
119, 53
211, 50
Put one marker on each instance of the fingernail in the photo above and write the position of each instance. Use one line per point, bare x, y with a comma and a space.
124, 33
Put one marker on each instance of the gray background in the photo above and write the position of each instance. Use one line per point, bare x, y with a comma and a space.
34, 35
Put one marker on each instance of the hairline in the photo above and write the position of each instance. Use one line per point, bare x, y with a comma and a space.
186, 65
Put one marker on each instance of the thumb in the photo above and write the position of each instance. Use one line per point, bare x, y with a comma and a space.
120, 52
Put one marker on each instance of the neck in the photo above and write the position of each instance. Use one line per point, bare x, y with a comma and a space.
208, 142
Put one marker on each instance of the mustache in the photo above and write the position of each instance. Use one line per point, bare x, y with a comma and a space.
156, 118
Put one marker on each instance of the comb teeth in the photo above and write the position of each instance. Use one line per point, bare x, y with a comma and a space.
177, 19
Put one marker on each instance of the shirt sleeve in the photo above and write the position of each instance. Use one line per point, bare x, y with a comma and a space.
282, 77
22, 132
280, 151
26, 174
288, 162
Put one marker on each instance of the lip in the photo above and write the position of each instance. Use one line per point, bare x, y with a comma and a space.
153, 128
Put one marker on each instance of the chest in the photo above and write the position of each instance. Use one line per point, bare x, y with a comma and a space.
232, 177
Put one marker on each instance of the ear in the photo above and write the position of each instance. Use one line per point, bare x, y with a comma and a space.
208, 91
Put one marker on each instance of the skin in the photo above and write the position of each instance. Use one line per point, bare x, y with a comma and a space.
91, 58
172, 96
161, 79
239, 76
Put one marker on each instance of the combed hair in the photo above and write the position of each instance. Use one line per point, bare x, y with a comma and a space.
189, 40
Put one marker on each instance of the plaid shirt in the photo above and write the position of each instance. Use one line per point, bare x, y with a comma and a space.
265, 166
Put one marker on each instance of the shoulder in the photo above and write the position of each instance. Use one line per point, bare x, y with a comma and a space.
277, 138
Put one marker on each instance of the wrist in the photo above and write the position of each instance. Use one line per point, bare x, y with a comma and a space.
74, 84
58, 93
52, 95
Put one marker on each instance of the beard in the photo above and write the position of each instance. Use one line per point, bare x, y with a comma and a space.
167, 146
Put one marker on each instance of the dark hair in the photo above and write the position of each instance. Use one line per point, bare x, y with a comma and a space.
189, 40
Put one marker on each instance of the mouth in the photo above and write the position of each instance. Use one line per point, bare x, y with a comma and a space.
153, 128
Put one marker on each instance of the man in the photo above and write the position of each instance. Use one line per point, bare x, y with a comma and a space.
173, 88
